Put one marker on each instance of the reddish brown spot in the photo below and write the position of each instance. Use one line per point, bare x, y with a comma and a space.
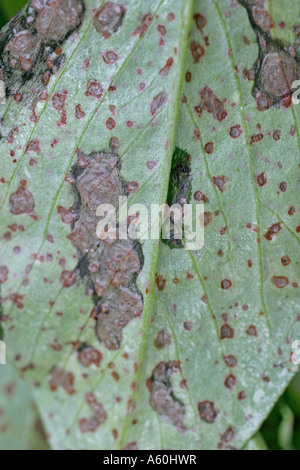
59, 100
228, 436
285, 260
161, 29
252, 331
283, 186
280, 281
197, 51
3, 274
261, 179
79, 113
200, 21
109, 19
262, 18
141, 30
25, 64
242, 395
188, 325
61, 378
33, 146
277, 135
207, 411
110, 124
273, 230
235, 131
256, 138
226, 332
99, 415
209, 148
89, 356
131, 446
67, 217
199, 196
167, 67
211, 103
162, 339
67, 278
114, 143
94, 89
220, 182
133, 186
188, 77
292, 210
158, 102
230, 361
226, 284
160, 282
21, 202
230, 381
110, 57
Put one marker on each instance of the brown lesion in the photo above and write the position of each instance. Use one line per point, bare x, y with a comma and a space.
278, 64
109, 267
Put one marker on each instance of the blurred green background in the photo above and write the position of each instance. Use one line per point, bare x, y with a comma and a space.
281, 431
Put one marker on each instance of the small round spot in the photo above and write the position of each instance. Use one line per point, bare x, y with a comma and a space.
133, 186
226, 284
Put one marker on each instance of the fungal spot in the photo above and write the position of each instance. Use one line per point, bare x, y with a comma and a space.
220, 182
99, 415
21, 202
280, 281
167, 67
209, 148
230, 381
30, 42
60, 378
109, 19
94, 90
145, 21
285, 261
197, 51
110, 57
158, 102
235, 131
162, 397
207, 411
66, 216
256, 138
252, 331
273, 230
226, 284
3, 274
277, 135
67, 278
230, 361
109, 267
261, 179
283, 186
226, 332
163, 338
277, 66
160, 282
79, 113
200, 21
179, 191
211, 103
242, 395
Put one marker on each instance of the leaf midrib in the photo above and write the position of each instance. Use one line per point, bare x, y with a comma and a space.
187, 11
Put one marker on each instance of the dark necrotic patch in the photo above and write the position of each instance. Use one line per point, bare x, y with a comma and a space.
29, 43
162, 398
278, 64
179, 191
109, 267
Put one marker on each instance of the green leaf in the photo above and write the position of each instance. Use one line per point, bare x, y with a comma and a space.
20, 426
102, 104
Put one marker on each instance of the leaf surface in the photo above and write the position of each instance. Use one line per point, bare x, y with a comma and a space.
203, 364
